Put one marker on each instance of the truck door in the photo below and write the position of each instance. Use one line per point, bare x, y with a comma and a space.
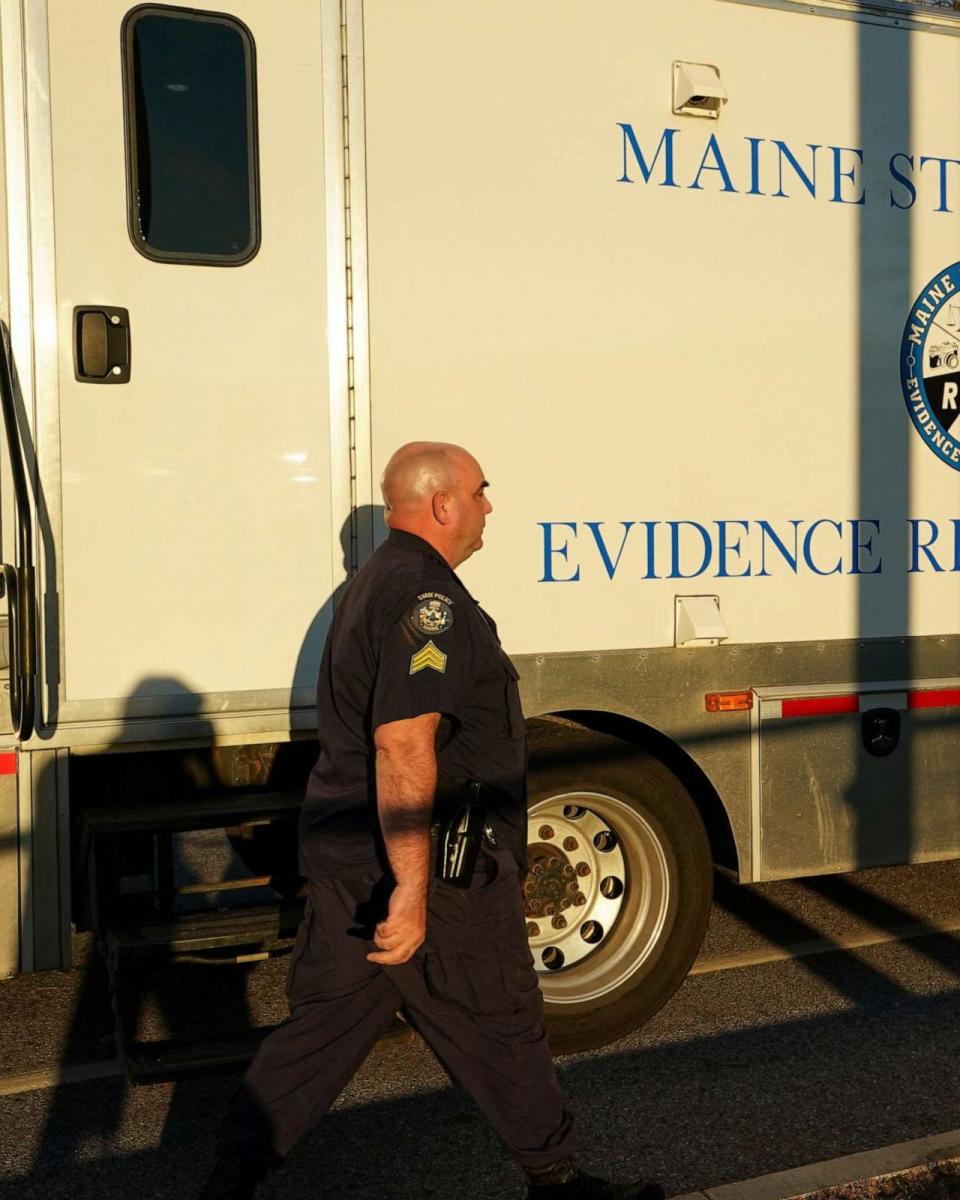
198, 535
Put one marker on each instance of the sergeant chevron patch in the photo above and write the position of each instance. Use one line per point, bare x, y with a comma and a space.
428, 656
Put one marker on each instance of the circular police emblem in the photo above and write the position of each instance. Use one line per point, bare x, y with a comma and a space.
930, 365
432, 615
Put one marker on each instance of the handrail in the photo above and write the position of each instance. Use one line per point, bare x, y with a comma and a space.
19, 582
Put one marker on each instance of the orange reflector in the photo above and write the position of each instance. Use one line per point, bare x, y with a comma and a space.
729, 701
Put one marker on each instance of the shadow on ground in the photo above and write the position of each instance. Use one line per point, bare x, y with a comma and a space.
771, 1095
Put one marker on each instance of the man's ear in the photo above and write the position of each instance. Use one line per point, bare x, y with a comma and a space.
441, 512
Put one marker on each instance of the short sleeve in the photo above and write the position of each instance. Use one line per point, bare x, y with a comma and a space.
423, 662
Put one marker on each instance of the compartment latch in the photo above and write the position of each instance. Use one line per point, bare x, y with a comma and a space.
880, 729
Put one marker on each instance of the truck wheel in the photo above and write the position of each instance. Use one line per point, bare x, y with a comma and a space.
618, 888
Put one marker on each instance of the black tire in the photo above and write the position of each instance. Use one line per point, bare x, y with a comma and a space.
656, 867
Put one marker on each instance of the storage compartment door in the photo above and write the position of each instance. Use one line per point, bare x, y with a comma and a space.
846, 778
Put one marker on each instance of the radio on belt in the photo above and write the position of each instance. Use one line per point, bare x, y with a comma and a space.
461, 838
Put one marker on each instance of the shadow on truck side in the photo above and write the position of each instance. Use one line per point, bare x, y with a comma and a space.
150, 1004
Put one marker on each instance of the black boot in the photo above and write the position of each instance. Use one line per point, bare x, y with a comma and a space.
565, 1181
232, 1180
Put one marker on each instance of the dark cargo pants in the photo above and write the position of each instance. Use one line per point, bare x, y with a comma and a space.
470, 991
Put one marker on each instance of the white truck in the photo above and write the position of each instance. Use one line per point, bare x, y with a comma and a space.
681, 274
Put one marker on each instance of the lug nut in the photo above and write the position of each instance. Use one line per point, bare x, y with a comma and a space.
537, 868
550, 909
582, 869
571, 843
545, 832
559, 922
579, 899
533, 929
569, 871
554, 864
566, 902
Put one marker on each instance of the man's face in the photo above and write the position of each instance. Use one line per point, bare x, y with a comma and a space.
469, 509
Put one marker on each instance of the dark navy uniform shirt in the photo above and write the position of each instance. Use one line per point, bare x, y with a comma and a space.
408, 639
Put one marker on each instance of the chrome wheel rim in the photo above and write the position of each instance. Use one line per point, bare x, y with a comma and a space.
596, 894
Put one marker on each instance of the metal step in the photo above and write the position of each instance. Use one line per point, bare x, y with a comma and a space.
209, 939
221, 810
262, 929
113, 884
132, 907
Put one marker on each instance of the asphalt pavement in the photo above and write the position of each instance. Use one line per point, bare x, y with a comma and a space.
748, 1070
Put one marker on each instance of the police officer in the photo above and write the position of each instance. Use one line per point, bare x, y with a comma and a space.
415, 700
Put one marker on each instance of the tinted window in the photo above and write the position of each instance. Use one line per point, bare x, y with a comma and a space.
191, 136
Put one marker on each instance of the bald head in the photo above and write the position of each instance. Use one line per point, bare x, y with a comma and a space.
437, 491
416, 471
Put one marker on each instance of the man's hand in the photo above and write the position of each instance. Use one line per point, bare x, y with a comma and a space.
402, 933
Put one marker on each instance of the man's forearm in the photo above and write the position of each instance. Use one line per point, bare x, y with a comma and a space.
406, 784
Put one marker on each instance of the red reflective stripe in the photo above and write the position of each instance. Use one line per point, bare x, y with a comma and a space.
8, 764
820, 706
934, 698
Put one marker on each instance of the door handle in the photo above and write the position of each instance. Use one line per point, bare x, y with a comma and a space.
101, 344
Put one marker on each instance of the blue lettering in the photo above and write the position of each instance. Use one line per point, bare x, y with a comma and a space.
861, 543
724, 548
903, 181
718, 165
609, 564
808, 181
755, 144
808, 543
916, 545
839, 175
665, 144
944, 163
675, 571
767, 531
549, 550
651, 572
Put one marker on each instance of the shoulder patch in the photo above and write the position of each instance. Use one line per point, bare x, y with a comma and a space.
428, 656
433, 614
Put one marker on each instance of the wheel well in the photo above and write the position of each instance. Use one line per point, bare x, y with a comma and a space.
674, 758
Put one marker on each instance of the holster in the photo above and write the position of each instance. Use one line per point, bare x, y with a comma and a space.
459, 833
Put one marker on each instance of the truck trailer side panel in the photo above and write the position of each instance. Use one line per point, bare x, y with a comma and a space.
674, 342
